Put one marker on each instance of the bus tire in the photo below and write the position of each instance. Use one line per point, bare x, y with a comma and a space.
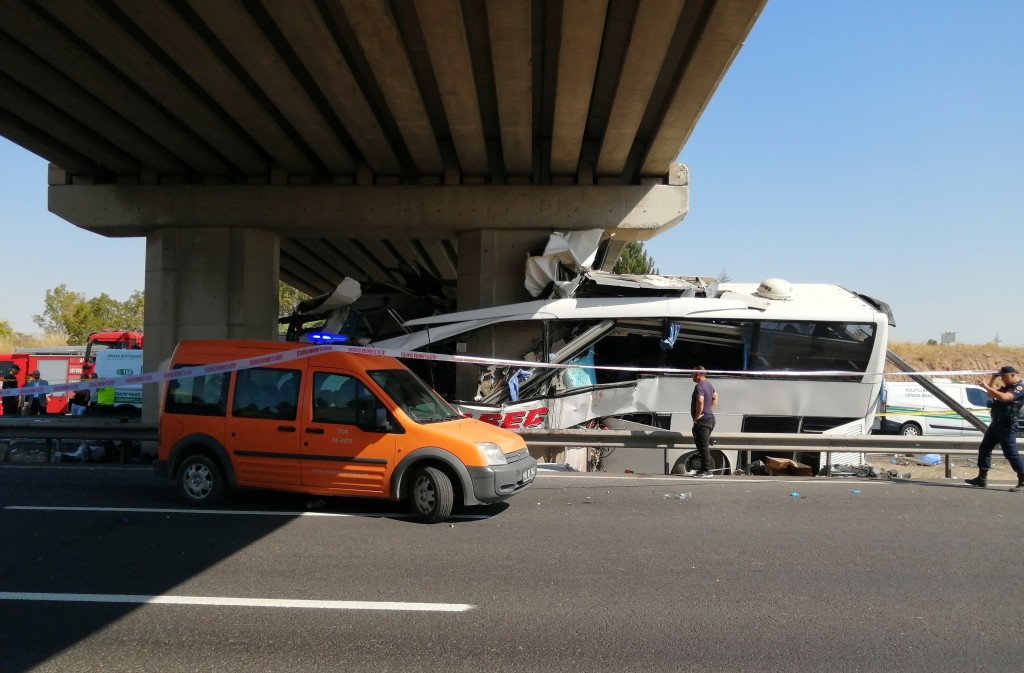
431, 495
910, 429
690, 462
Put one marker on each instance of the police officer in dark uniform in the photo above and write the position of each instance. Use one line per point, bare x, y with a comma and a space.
1006, 404
11, 403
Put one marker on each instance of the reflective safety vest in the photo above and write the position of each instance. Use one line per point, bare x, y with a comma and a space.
105, 395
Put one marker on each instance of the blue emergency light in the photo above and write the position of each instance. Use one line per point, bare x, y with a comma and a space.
324, 338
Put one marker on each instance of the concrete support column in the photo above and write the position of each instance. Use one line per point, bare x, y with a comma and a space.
492, 271
207, 283
492, 266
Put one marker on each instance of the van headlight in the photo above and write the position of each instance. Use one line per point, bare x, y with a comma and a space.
492, 452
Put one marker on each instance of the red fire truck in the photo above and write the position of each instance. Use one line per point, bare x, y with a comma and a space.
56, 364
97, 341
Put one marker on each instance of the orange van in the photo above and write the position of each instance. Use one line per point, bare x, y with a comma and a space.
334, 423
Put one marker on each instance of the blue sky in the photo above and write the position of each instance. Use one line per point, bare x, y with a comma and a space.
877, 145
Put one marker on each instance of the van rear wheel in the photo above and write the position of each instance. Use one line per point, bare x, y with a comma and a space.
910, 430
431, 495
200, 481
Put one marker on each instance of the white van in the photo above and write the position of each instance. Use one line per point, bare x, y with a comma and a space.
115, 362
909, 409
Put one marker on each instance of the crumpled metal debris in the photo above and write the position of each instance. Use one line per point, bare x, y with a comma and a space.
866, 472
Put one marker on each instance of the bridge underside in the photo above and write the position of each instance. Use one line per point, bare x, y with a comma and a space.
398, 142
365, 94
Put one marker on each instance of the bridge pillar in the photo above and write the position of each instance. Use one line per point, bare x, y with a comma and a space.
492, 266
492, 271
207, 283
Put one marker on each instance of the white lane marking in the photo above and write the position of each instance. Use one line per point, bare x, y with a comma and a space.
236, 602
151, 510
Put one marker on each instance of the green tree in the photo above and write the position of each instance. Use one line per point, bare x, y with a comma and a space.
72, 314
6, 331
288, 298
635, 260
132, 311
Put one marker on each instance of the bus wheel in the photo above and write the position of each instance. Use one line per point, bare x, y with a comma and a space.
200, 481
690, 462
910, 430
431, 495
686, 463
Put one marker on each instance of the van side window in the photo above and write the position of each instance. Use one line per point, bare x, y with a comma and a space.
338, 398
266, 393
198, 396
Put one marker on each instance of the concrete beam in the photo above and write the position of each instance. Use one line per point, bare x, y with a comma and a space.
243, 37
67, 130
612, 252
382, 45
720, 41
65, 94
30, 137
311, 261
582, 29
649, 42
166, 27
94, 26
304, 27
509, 25
444, 32
636, 212
340, 255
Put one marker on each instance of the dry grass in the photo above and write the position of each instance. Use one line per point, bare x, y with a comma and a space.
956, 357
32, 341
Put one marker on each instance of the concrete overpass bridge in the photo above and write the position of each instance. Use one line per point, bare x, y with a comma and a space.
307, 140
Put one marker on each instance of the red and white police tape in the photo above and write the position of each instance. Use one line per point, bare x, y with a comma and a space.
309, 351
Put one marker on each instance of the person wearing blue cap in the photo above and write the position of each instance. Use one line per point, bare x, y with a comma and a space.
1006, 404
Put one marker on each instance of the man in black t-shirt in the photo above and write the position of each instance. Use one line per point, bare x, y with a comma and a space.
702, 409
12, 404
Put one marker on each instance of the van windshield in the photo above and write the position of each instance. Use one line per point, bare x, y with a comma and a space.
414, 396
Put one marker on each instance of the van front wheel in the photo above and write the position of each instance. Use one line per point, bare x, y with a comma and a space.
431, 495
200, 481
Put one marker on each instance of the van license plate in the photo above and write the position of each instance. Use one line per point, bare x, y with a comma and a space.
529, 474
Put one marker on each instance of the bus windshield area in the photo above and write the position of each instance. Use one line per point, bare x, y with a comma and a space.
413, 396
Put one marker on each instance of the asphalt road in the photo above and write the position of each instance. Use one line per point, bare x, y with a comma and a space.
576, 574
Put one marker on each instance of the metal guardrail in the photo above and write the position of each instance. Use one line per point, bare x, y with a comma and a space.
76, 427
749, 441
56, 429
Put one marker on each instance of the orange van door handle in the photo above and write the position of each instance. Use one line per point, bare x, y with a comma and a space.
286, 428
315, 431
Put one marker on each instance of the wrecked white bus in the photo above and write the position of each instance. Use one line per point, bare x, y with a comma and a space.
802, 358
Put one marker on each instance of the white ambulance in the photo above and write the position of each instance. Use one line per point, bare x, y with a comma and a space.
909, 409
